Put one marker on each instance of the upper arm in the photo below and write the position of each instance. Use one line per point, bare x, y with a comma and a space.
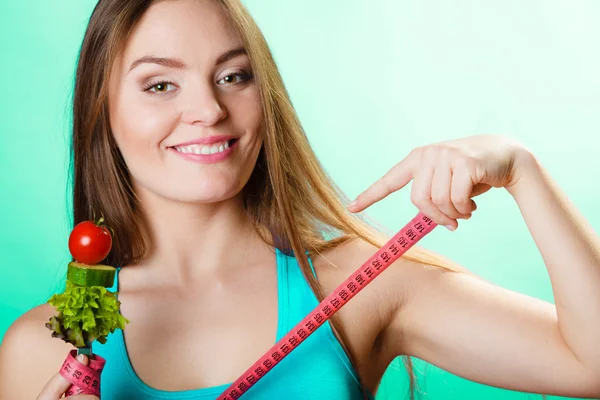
483, 332
29, 356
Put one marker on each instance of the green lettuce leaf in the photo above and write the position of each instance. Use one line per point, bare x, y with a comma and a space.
85, 314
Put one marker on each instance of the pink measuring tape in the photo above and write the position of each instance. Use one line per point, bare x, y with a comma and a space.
85, 379
412, 232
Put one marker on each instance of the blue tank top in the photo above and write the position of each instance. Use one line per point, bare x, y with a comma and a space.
326, 371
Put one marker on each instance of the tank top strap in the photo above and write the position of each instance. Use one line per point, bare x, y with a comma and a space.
293, 283
302, 301
312, 267
115, 286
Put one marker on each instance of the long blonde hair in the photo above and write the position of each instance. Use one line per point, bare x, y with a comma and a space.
294, 205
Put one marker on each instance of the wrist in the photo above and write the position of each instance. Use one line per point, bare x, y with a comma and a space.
526, 168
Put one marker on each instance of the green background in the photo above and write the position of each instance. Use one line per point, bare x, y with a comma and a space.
370, 81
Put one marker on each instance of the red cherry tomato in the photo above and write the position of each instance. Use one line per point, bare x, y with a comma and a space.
90, 242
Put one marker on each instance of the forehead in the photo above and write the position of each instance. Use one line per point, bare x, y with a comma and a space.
193, 30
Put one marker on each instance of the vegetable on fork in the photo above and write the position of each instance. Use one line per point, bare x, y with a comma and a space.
87, 310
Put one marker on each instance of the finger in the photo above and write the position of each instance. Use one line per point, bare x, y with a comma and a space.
440, 191
395, 179
57, 385
461, 190
421, 197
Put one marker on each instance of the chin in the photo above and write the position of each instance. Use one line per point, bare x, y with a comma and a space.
196, 189
204, 194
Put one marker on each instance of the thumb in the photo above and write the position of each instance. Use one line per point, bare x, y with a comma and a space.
56, 387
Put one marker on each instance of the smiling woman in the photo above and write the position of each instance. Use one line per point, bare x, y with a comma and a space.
228, 232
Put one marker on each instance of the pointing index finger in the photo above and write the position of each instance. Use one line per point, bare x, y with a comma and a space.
396, 178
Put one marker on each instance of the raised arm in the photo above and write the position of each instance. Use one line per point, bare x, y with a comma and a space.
475, 329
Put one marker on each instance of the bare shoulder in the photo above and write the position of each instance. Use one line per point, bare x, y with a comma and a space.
392, 289
366, 317
336, 264
29, 355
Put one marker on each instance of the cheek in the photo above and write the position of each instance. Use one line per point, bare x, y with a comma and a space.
139, 124
139, 128
248, 113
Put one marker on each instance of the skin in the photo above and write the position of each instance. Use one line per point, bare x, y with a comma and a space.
461, 323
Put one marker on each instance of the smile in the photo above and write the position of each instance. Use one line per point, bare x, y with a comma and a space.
213, 148
206, 153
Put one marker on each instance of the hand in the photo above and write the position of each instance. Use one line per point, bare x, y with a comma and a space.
56, 387
448, 174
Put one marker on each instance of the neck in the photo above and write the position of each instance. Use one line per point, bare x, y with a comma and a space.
193, 242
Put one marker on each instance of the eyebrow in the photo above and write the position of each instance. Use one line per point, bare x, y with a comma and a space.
176, 63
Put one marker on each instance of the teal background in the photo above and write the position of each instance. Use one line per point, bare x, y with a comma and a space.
370, 81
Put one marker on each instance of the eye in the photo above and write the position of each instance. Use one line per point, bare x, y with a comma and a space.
159, 87
231, 78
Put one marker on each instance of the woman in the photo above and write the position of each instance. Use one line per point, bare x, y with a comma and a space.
229, 232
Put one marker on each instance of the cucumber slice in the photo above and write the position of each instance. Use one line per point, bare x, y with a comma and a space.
91, 275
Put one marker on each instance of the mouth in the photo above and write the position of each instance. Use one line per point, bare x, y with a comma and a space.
206, 149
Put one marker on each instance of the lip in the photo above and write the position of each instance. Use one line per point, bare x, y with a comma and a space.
206, 140
206, 158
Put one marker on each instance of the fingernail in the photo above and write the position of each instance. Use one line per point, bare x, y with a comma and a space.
355, 202
81, 358
450, 227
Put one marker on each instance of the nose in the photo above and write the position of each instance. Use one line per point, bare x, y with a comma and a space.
202, 107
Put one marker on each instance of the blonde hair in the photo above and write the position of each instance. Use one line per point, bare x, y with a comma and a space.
294, 205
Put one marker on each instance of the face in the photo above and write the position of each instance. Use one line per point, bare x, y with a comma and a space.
184, 108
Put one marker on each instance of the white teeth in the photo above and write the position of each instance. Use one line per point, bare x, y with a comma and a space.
202, 149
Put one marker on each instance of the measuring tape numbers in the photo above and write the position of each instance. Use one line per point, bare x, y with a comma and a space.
85, 379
